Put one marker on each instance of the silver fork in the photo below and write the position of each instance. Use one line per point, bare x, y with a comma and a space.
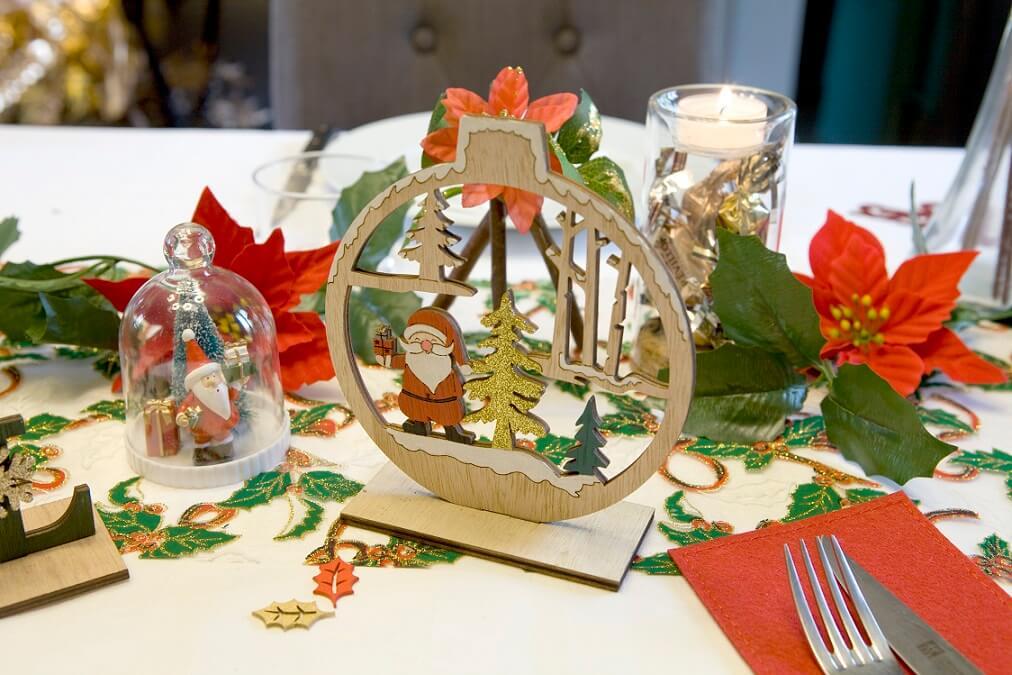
873, 659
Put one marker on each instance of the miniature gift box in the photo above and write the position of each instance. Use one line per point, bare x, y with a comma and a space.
201, 375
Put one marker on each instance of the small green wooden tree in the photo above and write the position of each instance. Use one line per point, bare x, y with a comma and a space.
586, 457
509, 392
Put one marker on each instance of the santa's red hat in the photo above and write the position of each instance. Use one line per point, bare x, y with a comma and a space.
440, 324
197, 363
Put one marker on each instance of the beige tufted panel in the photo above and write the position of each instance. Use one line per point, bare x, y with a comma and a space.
348, 62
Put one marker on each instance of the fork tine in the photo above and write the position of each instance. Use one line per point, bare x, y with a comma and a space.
864, 654
843, 653
878, 639
826, 660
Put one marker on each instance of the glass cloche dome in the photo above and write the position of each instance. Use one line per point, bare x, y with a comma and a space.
198, 349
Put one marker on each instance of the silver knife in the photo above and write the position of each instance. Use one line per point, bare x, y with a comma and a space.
921, 648
302, 173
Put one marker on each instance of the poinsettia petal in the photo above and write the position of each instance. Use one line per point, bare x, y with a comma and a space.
229, 236
307, 362
858, 270
943, 350
553, 110
933, 275
833, 238
822, 296
459, 102
475, 194
441, 144
291, 329
117, 292
913, 318
311, 267
509, 93
522, 207
900, 366
264, 265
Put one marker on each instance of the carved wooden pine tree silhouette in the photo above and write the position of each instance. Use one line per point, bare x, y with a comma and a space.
432, 240
586, 457
508, 392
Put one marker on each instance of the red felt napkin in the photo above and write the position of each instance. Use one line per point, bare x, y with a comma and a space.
742, 580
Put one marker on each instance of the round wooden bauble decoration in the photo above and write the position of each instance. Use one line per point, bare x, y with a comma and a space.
518, 482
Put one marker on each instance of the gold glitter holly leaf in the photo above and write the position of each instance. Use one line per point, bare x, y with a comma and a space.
335, 580
291, 614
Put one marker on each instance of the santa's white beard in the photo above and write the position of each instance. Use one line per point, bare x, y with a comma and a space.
430, 368
215, 398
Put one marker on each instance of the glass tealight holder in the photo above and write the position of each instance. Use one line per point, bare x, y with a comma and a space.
716, 158
201, 376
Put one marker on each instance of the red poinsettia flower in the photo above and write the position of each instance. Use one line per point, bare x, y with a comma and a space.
507, 97
282, 278
893, 325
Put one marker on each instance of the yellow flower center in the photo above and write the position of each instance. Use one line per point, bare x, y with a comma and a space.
859, 322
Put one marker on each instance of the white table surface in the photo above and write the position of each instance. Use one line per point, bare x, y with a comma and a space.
117, 191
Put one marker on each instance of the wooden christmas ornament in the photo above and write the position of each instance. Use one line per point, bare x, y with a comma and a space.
291, 614
434, 446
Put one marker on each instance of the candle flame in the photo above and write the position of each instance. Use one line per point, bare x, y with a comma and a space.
723, 100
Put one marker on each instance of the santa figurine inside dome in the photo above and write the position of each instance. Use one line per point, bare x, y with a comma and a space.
208, 411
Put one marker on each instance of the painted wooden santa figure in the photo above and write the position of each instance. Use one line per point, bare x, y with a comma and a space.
433, 388
209, 409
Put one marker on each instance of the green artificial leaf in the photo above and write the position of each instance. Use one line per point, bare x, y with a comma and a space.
356, 197
114, 409
997, 460
554, 447
861, 495
181, 541
580, 136
968, 314
812, 499
607, 179
942, 418
761, 304
659, 563
436, 121
8, 233
309, 522
87, 320
694, 535
369, 308
41, 426
328, 486
743, 394
877, 428
258, 490
568, 170
676, 510
119, 493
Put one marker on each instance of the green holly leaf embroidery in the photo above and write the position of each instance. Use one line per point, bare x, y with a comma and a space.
859, 495
119, 493
997, 560
43, 425
303, 420
804, 432
700, 531
180, 541
121, 524
77, 353
811, 499
579, 390
404, 553
20, 356
114, 410
258, 490
554, 447
997, 460
310, 521
691, 536
328, 486
659, 563
942, 418
630, 419
676, 510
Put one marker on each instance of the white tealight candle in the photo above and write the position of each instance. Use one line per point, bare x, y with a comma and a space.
721, 122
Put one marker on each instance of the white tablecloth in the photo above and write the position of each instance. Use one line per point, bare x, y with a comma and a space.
118, 190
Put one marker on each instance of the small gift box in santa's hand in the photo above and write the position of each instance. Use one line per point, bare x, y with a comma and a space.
161, 434
384, 345
236, 363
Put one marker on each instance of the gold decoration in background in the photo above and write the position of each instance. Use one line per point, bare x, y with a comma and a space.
66, 61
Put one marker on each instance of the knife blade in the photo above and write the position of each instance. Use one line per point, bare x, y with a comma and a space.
921, 648
302, 173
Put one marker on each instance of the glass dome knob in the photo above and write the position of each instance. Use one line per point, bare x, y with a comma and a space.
188, 246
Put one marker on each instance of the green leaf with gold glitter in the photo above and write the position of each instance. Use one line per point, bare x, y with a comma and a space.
577, 389
942, 418
657, 564
302, 421
997, 460
22, 356
77, 353
41, 426
258, 490
695, 535
743, 394
114, 409
580, 136
554, 447
119, 494
404, 553
761, 304
607, 179
996, 560
122, 524
811, 499
328, 486
310, 521
861, 495
676, 510
180, 541
632, 417
877, 428
568, 170
802, 433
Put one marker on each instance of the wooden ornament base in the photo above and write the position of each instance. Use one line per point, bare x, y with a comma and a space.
61, 571
595, 549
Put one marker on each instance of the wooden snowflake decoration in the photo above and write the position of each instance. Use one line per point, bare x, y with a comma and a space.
291, 614
16, 472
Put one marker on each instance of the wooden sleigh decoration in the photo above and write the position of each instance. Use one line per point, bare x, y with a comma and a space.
502, 500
